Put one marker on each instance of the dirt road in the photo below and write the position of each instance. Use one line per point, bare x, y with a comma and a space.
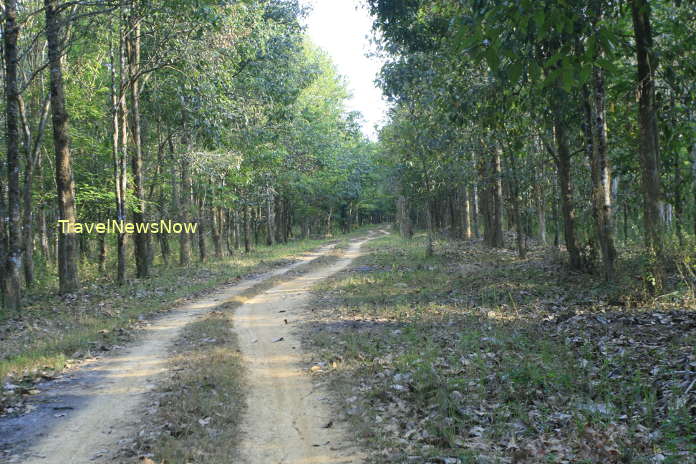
287, 421
81, 418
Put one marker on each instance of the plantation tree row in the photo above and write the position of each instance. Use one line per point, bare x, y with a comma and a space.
570, 121
194, 111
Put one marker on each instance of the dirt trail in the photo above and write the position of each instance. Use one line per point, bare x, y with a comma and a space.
286, 419
83, 416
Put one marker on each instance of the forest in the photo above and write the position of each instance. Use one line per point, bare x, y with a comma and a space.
171, 110
208, 256
569, 122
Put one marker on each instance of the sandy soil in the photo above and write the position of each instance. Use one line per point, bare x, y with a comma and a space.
81, 417
287, 421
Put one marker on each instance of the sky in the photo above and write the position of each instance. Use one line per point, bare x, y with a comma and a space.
343, 29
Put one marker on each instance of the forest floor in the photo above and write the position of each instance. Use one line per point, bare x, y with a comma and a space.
476, 356
469, 356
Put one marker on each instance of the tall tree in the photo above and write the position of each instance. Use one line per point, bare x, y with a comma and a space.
65, 184
649, 141
13, 264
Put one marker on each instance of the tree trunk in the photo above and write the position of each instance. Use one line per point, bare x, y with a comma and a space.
515, 202
13, 259
67, 243
247, 229
429, 224
216, 230
202, 225
567, 208
602, 188
102, 252
475, 210
142, 246
647, 122
43, 234
402, 211
237, 230
32, 163
540, 199
185, 211
270, 216
466, 213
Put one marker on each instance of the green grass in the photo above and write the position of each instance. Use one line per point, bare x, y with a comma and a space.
459, 356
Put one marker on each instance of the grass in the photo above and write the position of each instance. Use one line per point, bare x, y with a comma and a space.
198, 408
475, 356
51, 330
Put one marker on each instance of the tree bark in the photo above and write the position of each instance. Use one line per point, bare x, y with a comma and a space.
466, 213
647, 121
567, 208
602, 187
475, 210
67, 242
404, 218
32, 157
270, 216
185, 205
102, 252
142, 246
515, 202
13, 259
429, 224
216, 230
43, 235
247, 229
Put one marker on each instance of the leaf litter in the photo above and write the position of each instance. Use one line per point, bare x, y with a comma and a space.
476, 356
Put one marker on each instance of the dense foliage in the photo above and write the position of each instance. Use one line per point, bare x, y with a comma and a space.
574, 118
216, 113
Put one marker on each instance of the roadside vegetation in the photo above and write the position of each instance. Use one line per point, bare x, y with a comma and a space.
474, 355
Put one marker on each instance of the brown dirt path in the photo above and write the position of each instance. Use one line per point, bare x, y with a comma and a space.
287, 420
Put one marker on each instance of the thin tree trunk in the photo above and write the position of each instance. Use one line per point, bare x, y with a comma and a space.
404, 218
216, 231
32, 156
237, 230
141, 239
429, 224
67, 259
494, 204
202, 223
247, 229
13, 261
102, 252
43, 234
647, 121
122, 134
185, 204
3, 238
466, 213
475, 209
603, 188
515, 202
567, 208
270, 216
